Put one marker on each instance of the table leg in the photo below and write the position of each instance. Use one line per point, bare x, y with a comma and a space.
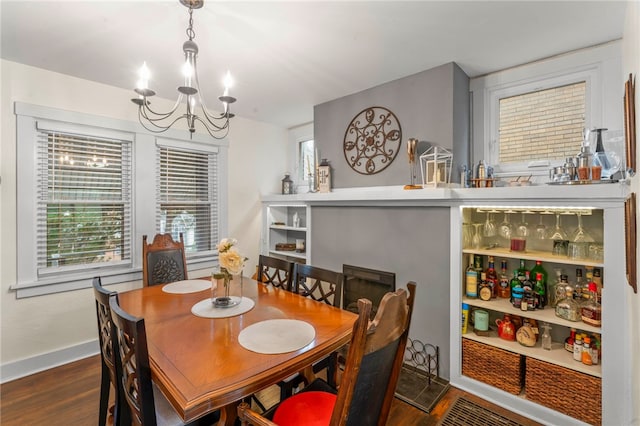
229, 414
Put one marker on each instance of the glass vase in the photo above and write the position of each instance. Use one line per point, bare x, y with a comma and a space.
226, 289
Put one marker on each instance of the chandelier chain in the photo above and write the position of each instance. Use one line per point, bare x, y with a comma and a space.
190, 32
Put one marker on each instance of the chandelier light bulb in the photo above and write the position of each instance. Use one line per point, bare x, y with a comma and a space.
143, 75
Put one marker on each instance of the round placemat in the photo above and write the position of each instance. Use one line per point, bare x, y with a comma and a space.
277, 336
205, 309
187, 286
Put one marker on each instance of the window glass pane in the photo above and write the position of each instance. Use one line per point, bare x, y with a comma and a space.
187, 205
307, 160
545, 124
84, 208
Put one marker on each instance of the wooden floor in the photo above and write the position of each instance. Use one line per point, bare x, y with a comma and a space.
69, 395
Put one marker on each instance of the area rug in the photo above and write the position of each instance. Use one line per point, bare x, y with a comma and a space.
467, 413
414, 388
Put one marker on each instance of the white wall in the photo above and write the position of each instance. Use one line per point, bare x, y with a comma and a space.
631, 65
40, 331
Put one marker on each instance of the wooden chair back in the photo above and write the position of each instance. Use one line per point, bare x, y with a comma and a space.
374, 361
319, 284
163, 261
136, 372
275, 271
108, 355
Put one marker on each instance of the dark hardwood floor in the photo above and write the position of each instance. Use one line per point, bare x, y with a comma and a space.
69, 395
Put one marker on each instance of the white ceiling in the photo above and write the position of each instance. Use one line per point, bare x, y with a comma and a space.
286, 57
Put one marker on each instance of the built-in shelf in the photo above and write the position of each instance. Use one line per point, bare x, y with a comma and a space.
285, 223
547, 314
288, 228
533, 255
557, 355
281, 253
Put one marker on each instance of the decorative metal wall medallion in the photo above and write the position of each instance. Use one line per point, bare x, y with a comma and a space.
372, 140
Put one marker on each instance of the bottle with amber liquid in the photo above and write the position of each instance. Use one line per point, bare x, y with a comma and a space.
504, 288
492, 277
592, 311
471, 280
485, 290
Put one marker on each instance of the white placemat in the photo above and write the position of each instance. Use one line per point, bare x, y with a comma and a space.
205, 309
277, 336
187, 286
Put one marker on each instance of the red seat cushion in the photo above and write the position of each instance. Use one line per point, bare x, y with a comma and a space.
306, 408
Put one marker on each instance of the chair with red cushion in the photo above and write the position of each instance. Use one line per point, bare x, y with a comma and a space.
370, 377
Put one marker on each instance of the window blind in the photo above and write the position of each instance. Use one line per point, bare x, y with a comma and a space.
84, 201
188, 197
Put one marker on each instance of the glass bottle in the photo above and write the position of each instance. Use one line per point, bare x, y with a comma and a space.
568, 342
471, 280
592, 311
522, 270
553, 288
597, 279
546, 336
586, 352
577, 348
492, 277
477, 260
578, 286
567, 308
515, 283
538, 268
540, 292
485, 290
504, 287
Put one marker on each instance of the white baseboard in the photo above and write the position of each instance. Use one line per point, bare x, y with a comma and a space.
25, 367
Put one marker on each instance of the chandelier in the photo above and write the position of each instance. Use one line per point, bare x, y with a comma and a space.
216, 124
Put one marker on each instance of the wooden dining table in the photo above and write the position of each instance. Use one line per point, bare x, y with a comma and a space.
198, 363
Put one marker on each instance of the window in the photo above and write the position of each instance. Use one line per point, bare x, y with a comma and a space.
187, 184
542, 125
89, 187
307, 160
84, 203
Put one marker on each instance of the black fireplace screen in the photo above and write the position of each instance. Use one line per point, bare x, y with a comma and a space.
365, 283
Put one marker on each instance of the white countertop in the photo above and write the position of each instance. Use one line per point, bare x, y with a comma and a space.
596, 195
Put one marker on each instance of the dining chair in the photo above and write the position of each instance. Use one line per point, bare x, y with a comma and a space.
147, 404
322, 285
371, 373
163, 261
275, 271
110, 361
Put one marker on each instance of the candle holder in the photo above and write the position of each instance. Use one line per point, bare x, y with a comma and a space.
435, 165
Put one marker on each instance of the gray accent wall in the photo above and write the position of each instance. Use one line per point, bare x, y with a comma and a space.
413, 242
432, 106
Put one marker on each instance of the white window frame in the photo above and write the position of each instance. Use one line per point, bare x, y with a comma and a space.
29, 283
590, 74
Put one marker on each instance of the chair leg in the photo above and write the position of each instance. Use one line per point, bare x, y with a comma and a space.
105, 389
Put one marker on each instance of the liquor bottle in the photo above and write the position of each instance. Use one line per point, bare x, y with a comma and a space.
578, 286
485, 290
477, 264
540, 292
522, 270
492, 277
471, 280
567, 308
538, 268
504, 288
592, 311
515, 283
588, 278
546, 336
568, 342
528, 299
597, 279
553, 288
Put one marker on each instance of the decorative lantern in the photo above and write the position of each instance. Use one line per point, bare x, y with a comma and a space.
287, 185
324, 176
435, 165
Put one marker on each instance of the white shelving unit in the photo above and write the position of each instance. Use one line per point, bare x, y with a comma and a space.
278, 227
605, 220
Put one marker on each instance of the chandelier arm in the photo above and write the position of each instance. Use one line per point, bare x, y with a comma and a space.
210, 118
163, 114
156, 128
225, 128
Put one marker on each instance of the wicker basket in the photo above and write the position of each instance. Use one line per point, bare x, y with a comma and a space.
493, 366
570, 392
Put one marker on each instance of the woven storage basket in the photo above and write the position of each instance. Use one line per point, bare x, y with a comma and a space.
570, 392
493, 366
